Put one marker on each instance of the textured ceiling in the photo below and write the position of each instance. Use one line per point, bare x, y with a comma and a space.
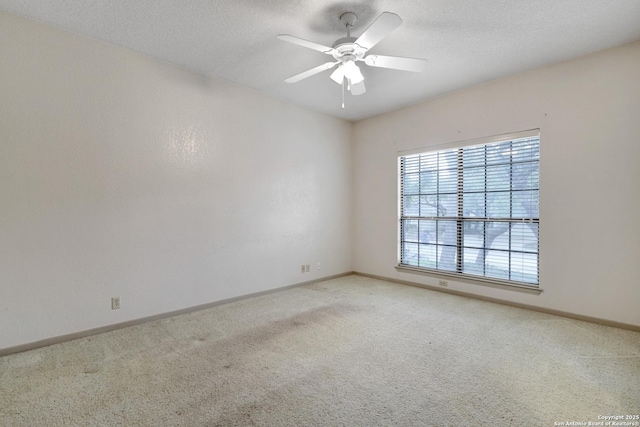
466, 42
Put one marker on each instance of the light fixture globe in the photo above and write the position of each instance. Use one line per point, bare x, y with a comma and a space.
352, 72
338, 74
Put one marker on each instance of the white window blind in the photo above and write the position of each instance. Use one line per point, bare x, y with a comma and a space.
473, 210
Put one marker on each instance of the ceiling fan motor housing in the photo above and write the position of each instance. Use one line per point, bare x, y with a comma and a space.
347, 46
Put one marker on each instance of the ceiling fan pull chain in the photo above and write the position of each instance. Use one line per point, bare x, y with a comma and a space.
343, 83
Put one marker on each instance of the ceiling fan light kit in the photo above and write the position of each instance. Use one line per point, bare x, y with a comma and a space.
348, 50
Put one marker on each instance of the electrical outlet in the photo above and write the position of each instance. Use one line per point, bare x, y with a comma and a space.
115, 303
443, 283
307, 268
318, 265
302, 268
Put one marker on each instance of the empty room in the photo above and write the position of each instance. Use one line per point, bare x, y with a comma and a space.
320, 213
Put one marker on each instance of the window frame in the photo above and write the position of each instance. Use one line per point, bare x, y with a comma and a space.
461, 220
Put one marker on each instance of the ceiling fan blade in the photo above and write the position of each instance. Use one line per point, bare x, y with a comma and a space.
358, 88
305, 43
396, 63
311, 72
379, 29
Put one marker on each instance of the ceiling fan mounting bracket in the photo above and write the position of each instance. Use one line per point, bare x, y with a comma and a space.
348, 19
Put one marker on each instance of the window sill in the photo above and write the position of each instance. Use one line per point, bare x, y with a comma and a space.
474, 280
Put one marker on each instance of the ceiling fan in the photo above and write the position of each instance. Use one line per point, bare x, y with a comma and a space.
349, 50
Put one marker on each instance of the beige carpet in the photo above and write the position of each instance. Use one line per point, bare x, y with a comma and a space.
351, 351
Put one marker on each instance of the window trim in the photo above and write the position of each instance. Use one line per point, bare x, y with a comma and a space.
460, 276
467, 142
470, 278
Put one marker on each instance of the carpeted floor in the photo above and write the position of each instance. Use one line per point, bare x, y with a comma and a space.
351, 351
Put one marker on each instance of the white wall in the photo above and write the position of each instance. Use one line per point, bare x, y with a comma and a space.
124, 176
588, 110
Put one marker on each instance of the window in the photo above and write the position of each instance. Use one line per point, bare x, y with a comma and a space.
473, 210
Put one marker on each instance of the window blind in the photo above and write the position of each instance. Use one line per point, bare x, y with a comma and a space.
473, 210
